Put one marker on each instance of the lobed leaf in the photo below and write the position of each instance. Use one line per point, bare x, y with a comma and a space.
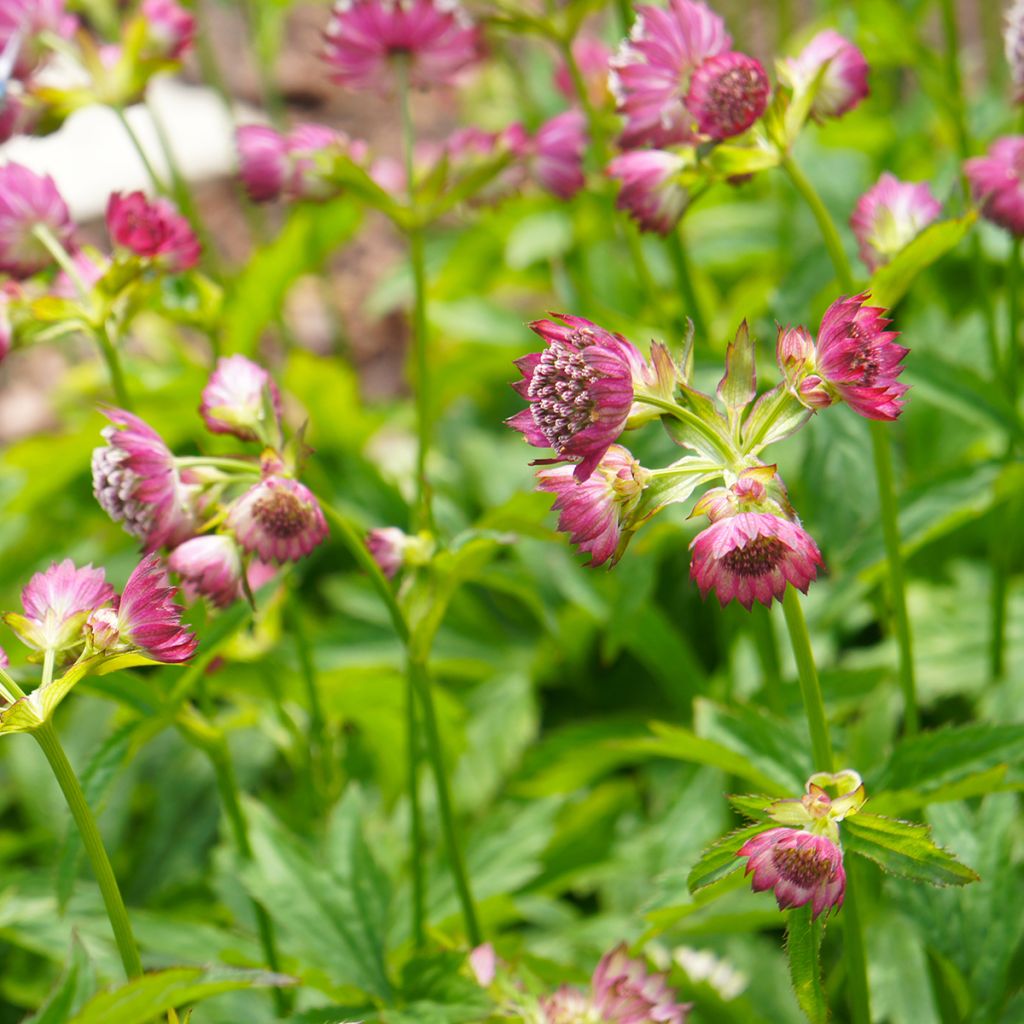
803, 949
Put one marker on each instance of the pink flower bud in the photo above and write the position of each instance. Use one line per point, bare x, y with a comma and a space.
815, 393
152, 229
997, 183
241, 398
170, 28
889, 216
728, 93
209, 566
651, 191
28, 199
263, 161
844, 82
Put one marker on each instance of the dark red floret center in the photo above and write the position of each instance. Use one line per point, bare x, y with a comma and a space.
864, 360
560, 390
282, 514
761, 555
737, 99
803, 866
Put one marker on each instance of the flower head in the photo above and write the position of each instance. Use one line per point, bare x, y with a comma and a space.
596, 512
137, 483
651, 192
152, 229
557, 154
844, 81
170, 29
28, 199
279, 519
263, 161
387, 546
800, 866
651, 73
728, 93
365, 37
592, 57
241, 398
24, 21
889, 216
997, 183
209, 566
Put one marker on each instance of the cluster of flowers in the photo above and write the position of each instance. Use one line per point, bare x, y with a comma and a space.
192, 507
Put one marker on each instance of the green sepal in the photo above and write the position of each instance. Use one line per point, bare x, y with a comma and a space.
722, 858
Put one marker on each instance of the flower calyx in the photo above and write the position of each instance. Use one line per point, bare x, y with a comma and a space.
828, 799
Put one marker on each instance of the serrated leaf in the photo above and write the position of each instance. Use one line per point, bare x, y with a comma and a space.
775, 416
803, 950
721, 858
750, 805
669, 488
903, 848
738, 386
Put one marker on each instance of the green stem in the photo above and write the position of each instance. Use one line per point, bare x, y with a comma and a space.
810, 687
317, 742
721, 446
214, 462
1012, 339
684, 278
625, 10
155, 179
954, 84
112, 359
46, 737
857, 990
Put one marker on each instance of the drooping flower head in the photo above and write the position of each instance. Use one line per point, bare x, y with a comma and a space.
144, 618
241, 398
595, 512
1013, 41
844, 82
889, 216
800, 866
393, 548
137, 483
556, 154
593, 58
366, 37
170, 29
152, 229
209, 566
997, 183
24, 21
651, 73
651, 192
279, 519
28, 199
728, 93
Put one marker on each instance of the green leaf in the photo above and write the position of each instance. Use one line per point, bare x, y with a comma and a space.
666, 488
903, 848
76, 984
774, 416
541, 236
720, 859
739, 385
803, 949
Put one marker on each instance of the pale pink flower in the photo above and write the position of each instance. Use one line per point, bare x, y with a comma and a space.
28, 199
595, 511
751, 557
13, 116
263, 161
728, 93
889, 216
651, 192
997, 183
387, 546
567, 1005
593, 59
483, 962
144, 618
800, 866
366, 37
844, 82
5, 662
556, 158
28, 20
241, 398
279, 519
170, 29
137, 483
152, 229
209, 566
651, 72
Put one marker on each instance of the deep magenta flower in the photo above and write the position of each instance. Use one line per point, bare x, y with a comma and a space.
728, 93
845, 80
365, 37
997, 183
170, 29
31, 18
651, 73
595, 511
593, 59
209, 566
241, 398
152, 229
800, 866
137, 483
751, 557
144, 618
279, 519
651, 191
28, 199
263, 161
557, 154
889, 216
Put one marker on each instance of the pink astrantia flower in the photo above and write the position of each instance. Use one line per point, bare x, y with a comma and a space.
997, 182
728, 93
152, 229
242, 399
557, 154
800, 866
209, 566
592, 57
387, 546
170, 29
595, 511
28, 199
263, 161
28, 20
652, 70
844, 82
144, 618
651, 192
889, 216
1013, 40
365, 37
279, 519
137, 483
483, 962
751, 557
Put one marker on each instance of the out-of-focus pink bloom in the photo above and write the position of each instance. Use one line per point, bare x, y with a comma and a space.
387, 545
651, 192
9, 291
241, 398
1013, 40
137, 484
144, 618
170, 29
889, 216
209, 566
389, 174
366, 37
484, 964
90, 265
844, 82
557, 154
307, 145
5, 662
593, 59
152, 229
28, 199
794, 350
651, 72
279, 519
28, 20
567, 1005
263, 161
800, 866
728, 93
593, 511
997, 182
751, 557
12, 116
